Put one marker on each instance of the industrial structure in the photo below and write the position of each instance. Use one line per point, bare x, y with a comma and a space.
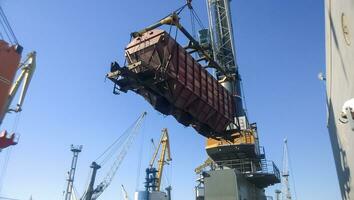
71, 175
124, 142
340, 89
154, 174
118, 148
199, 84
177, 83
10, 57
285, 173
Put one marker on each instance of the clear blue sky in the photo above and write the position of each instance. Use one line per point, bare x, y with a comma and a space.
280, 46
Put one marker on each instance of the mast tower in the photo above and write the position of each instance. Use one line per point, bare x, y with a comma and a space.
69, 189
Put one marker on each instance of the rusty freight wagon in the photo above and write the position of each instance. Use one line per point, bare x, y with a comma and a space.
174, 83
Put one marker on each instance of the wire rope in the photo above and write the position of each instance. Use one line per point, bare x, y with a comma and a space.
2, 13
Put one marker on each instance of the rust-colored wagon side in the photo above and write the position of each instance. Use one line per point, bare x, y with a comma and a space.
172, 81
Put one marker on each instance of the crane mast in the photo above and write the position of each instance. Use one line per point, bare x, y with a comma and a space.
224, 53
71, 176
285, 173
165, 157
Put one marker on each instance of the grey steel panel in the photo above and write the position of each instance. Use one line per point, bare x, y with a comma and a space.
340, 87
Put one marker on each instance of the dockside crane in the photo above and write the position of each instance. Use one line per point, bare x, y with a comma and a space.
71, 174
154, 176
123, 144
27, 69
174, 80
10, 56
285, 173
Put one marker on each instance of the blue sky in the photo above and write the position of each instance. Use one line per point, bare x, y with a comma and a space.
280, 51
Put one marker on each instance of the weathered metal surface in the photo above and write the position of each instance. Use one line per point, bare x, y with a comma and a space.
6, 141
340, 89
229, 184
243, 144
174, 83
9, 61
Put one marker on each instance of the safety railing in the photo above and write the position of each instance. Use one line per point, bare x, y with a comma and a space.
251, 167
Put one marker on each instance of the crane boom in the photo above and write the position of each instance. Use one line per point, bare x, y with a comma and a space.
224, 53
93, 193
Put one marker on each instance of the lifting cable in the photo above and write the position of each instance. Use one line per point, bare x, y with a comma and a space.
120, 146
5, 166
116, 145
6, 33
9, 151
7, 27
140, 158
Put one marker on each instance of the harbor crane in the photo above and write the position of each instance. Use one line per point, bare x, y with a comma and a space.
122, 145
27, 70
154, 176
174, 79
285, 173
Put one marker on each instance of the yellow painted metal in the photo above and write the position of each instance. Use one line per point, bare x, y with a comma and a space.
239, 138
164, 145
208, 162
28, 67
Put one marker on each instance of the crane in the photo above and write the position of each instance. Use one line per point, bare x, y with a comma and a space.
123, 144
27, 68
223, 48
173, 79
154, 183
71, 174
215, 46
285, 173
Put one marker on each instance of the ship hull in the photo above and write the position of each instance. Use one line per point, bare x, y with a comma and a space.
9, 62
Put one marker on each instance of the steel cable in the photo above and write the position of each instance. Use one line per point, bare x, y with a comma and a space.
2, 13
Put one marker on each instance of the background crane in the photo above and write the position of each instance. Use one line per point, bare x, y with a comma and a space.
121, 145
285, 173
154, 181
